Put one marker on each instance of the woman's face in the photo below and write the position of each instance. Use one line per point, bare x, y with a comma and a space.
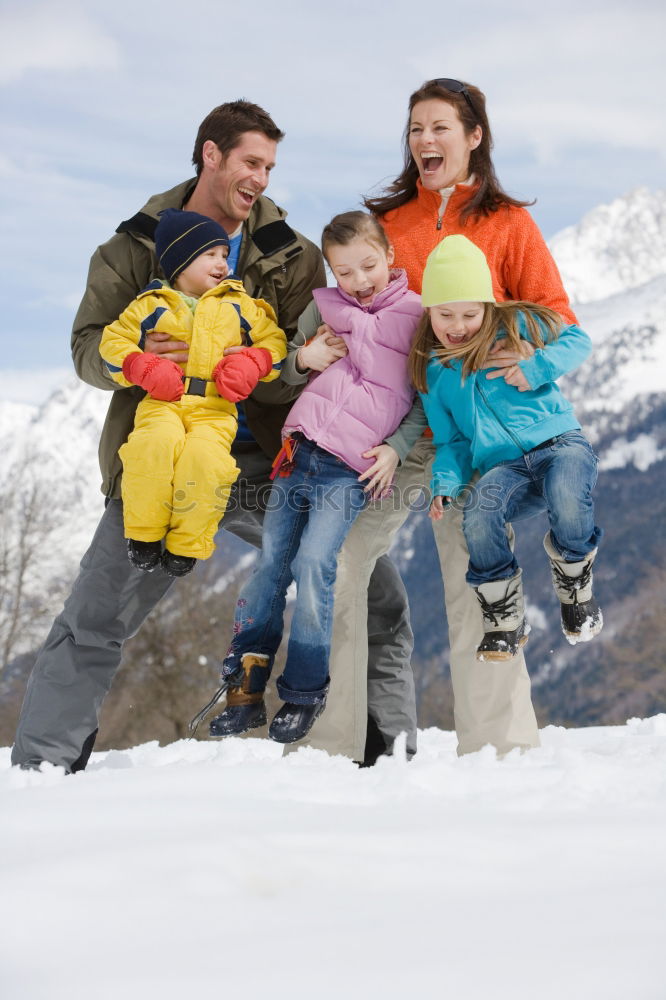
439, 144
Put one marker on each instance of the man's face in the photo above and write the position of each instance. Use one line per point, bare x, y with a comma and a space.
235, 182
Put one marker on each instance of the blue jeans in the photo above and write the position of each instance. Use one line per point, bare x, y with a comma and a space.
307, 519
558, 478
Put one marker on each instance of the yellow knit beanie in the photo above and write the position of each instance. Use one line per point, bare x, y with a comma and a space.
456, 271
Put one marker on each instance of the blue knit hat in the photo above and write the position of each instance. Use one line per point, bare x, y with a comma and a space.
182, 236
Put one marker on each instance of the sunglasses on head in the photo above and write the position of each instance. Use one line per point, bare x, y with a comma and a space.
456, 87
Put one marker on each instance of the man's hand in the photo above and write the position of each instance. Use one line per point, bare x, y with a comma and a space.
506, 363
436, 512
320, 352
381, 472
161, 378
162, 344
239, 370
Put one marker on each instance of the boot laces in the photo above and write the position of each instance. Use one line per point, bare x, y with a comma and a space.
572, 584
503, 607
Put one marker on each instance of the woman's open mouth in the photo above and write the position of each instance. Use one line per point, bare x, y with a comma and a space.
431, 162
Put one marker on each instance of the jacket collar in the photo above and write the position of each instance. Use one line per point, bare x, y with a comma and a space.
461, 192
160, 287
264, 213
395, 289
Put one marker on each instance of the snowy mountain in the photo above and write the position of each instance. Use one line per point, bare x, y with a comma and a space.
50, 505
614, 247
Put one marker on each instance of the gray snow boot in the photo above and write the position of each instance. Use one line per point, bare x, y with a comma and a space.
580, 613
504, 622
246, 708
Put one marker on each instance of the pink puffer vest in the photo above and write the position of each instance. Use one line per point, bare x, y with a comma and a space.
360, 400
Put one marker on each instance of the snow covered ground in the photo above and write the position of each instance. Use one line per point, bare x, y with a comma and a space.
225, 870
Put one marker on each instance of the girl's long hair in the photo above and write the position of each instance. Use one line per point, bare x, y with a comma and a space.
489, 195
498, 318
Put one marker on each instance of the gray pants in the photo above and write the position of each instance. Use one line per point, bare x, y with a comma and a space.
110, 600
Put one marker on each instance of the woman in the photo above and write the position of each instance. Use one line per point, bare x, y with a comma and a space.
448, 185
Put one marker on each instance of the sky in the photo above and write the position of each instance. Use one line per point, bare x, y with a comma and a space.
100, 103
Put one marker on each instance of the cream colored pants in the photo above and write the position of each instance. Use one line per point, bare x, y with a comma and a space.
492, 700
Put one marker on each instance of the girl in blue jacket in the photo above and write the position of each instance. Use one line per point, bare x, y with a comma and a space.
513, 426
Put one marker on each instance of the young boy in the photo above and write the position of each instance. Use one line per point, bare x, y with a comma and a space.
177, 466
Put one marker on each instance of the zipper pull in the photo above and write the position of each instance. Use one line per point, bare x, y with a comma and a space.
439, 222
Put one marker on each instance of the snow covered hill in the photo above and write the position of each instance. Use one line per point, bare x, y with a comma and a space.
614, 247
50, 503
225, 870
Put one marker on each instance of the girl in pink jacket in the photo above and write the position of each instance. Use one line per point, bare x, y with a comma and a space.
334, 459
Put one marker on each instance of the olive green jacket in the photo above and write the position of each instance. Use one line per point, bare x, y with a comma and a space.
276, 264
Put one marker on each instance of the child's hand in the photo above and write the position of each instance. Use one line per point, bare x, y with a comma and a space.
161, 378
436, 512
237, 374
320, 352
381, 472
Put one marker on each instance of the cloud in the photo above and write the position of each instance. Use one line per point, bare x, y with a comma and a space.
560, 75
56, 37
574, 93
36, 387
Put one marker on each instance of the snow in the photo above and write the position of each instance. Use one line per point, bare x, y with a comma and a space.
614, 247
643, 452
225, 869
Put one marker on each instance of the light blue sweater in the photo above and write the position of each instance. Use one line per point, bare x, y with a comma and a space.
480, 422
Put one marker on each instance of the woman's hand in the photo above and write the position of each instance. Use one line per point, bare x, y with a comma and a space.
320, 352
436, 512
382, 471
162, 344
506, 363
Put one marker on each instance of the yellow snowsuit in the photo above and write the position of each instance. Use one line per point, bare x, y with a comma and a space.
177, 466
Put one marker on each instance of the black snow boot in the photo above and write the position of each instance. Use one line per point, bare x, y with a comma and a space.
580, 614
293, 722
504, 622
245, 709
144, 555
177, 565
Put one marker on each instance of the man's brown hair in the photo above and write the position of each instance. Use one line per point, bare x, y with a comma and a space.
227, 123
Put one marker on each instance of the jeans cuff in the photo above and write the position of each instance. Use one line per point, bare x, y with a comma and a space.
300, 697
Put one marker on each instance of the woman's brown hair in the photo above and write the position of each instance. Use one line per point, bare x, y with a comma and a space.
498, 318
470, 104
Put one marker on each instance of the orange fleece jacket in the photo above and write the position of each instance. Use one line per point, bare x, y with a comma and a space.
520, 262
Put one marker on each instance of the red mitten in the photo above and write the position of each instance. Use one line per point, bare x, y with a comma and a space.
237, 374
162, 378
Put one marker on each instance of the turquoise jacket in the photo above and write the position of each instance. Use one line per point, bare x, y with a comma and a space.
478, 423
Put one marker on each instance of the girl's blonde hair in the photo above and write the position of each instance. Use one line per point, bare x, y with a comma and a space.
498, 318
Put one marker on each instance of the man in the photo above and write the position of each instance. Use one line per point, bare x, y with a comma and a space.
234, 154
